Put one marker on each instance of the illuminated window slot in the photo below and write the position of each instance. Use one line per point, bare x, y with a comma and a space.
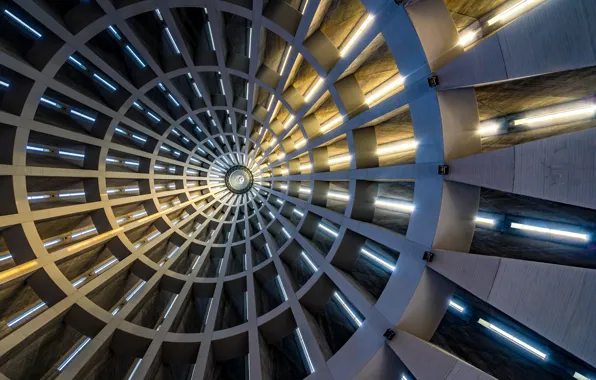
371, 255
513, 339
82, 115
356, 36
77, 63
22, 23
171, 39
550, 231
347, 309
107, 84
134, 55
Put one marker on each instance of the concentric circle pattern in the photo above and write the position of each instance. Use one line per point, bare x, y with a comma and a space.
290, 189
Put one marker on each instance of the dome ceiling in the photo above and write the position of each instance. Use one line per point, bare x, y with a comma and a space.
327, 189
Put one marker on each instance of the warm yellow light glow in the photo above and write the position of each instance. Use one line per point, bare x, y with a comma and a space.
384, 89
356, 35
332, 123
283, 65
339, 159
17, 271
396, 147
289, 121
512, 11
578, 113
468, 38
487, 129
306, 166
299, 143
314, 88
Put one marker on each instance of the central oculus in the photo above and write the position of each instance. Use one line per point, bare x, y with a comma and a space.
239, 179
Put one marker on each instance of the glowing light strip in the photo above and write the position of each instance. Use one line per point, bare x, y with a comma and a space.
173, 100
4, 84
356, 35
337, 195
105, 82
512, 338
377, 259
481, 220
5, 257
397, 146
139, 138
339, 159
171, 305
584, 111
171, 38
67, 195
76, 62
281, 287
456, 306
347, 308
135, 369
332, 123
517, 8
211, 42
114, 32
468, 38
135, 56
36, 197
73, 354
298, 212
309, 261
208, 310
488, 128
579, 376
71, 154
23, 24
310, 366
104, 266
82, 115
151, 115
223, 91
285, 61
25, 314
384, 89
52, 242
328, 230
313, 89
85, 232
50, 102
395, 205
551, 231
79, 281
132, 294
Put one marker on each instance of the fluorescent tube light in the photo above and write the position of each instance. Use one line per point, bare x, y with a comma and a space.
550, 231
347, 308
356, 35
513, 339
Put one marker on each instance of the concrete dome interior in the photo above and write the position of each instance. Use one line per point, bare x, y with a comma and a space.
297, 189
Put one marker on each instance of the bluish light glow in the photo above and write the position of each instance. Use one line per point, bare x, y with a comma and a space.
223, 91
550, 231
512, 339
173, 100
110, 86
298, 212
158, 167
70, 195
135, 56
185, 139
142, 213
196, 88
249, 47
131, 190
52, 242
22, 23
5, 257
347, 309
161, 86
26, 314
308, 261
151, 115
211, 42
301, 340
132, 294
121, 131
190, 120
139, 138
132, 163
81, 233
456, 306
266, 245
77, 63
50, 102
163, 147
37, 149
281, 288
109, 263
79, 281
173, 252
114, 32
83, 116
174, 131
4, 84
71, 154
328, 230
171, 305
137, 106
370, 254
158, 13
171, 38
132, 374
284, 231
73, 354
153, 235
